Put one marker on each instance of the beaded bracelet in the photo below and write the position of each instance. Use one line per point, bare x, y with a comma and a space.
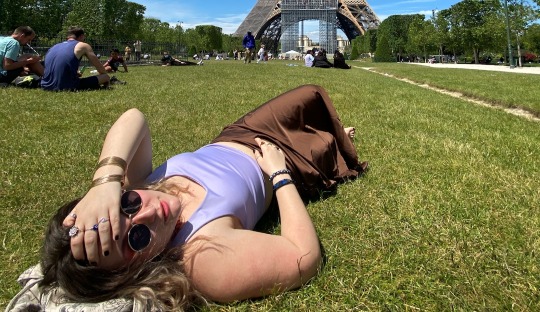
113, 160
282, 171
282, 183
108, 178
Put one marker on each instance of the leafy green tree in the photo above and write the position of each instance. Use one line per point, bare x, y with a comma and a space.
192, 51
88, 15
366, 43
154, 30
354, 47
442, 35
477, 24
392, 36
179, 34
383, 53
372, 35
126, 20
106, 18
520, 15
210, 36
44, 16
421, 37
194, 41
231, 43
13, 13
531, 39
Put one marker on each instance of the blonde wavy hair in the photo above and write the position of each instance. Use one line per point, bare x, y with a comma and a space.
160, 283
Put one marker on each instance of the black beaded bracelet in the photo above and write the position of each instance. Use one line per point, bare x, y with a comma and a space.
282, 171
282, 183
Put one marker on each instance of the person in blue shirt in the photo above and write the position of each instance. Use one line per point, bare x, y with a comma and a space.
62, 65
249, 44
11, 64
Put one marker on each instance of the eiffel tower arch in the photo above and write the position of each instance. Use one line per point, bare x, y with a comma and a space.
273, 20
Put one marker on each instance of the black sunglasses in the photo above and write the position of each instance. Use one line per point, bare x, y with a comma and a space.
139, 235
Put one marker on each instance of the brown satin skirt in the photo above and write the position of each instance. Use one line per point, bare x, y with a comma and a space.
304, 124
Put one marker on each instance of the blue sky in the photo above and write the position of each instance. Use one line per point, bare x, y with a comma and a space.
229, 14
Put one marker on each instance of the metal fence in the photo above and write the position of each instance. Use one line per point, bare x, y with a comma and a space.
151, 52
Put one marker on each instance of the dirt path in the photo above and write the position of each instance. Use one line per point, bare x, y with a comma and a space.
513, 111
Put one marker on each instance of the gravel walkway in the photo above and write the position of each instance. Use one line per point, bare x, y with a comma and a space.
517, 70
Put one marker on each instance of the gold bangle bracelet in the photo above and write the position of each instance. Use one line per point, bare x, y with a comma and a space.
114, 161
108, 178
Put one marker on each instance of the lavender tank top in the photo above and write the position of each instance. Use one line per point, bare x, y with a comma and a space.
233, 182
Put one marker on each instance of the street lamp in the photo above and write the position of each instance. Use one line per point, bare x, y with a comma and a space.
511, 59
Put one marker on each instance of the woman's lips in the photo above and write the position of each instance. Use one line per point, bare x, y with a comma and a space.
166, 209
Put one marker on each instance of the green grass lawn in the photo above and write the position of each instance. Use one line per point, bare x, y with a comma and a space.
446, 219
500, 88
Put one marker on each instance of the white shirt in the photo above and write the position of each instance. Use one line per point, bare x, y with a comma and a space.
309, 60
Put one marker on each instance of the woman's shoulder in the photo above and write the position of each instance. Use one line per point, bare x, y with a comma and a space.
215, 232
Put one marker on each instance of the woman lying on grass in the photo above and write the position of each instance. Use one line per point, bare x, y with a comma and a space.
185, 230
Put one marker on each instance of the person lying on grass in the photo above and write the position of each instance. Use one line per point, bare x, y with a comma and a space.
169, 60
184, 231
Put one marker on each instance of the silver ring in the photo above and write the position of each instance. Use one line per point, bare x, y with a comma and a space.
73, 231
94, 227
103, 220
73, 215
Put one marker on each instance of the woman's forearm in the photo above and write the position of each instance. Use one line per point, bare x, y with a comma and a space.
297, 226
129, 139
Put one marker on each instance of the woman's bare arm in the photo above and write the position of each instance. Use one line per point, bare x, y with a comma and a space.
129, 139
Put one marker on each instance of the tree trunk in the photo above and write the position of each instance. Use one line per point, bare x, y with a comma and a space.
475, 53
519, 52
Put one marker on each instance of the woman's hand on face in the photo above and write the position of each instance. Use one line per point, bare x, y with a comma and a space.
99, 208
271, 159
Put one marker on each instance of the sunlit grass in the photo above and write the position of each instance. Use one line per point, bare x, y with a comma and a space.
500, 88
446, 219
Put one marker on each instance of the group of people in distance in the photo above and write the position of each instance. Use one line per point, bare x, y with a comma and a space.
60, 69
320, 60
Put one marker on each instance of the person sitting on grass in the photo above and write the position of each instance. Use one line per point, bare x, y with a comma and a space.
114, 61
169, 60
62, 65
321, 61
184, 231
308, 59
339, 60
11, 64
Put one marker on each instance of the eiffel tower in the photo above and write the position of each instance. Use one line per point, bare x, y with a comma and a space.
273, 20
